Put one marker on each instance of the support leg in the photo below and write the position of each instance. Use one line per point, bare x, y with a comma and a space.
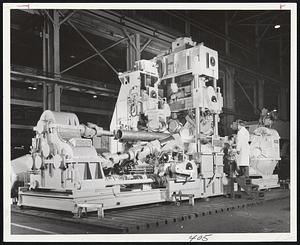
100, 212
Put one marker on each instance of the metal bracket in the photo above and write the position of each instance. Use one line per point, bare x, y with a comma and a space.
129, 37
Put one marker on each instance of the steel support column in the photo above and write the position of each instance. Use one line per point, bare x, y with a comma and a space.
229, 98
280, 56
187, 25
257, 45
261, 93
137, 40
56, 60
255, 98
51, 60
227, 43
282, 104
133, 50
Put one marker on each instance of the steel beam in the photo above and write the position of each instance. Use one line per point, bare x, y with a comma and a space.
282, 104
67, 17
26, 103
256, 110
92, 86
51, 60
19, 126
115, 19
233, 16
111, 32
253, 16
257, 45
247, 96
280, 56
260, 24
132, 42
279, 13
276, 36
45, 92
87, 110
91, 45
260, 94
133, 51
92, 56
211, 31
187, 25
267, 27
146, 44
227, 43
56, 44
118, 20
229, 98
56, 61
78, 63
49, 16
39, 104
158, 36
137, 40
256, 74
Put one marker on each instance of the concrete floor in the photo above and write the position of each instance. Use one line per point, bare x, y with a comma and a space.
273, 216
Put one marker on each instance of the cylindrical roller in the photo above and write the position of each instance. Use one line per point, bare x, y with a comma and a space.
115, 158
92, 130
129, 155
128, 135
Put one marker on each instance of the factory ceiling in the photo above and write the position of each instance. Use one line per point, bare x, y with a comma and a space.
103, 27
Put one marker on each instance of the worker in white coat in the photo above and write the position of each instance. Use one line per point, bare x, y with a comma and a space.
243, 149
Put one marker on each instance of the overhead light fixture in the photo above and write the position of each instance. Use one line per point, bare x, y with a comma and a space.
72, 56
277, 26
32, 87
95, 96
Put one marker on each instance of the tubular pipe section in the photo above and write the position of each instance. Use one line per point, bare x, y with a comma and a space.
127, 135
92, 130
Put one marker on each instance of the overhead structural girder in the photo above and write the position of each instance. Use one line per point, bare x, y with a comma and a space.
115, 20
63, 107
94, 55
68, 17
251, 17
246, 95
211, 31
91, 86
90, 44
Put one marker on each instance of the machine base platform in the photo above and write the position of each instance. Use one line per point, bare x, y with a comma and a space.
133, 219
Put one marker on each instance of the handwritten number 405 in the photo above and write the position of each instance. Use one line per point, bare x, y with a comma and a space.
202, 238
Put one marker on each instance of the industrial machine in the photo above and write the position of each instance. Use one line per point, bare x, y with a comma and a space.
164, 140
264, 150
